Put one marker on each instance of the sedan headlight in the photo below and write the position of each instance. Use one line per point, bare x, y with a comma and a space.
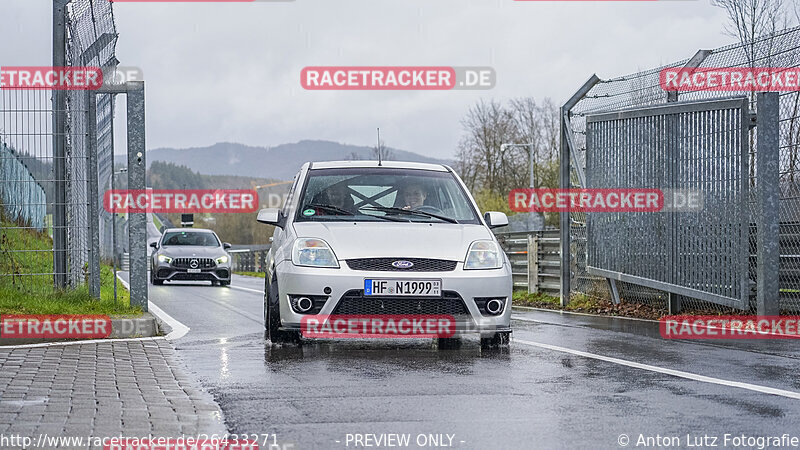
222, 260
483, 255
164, 259
313, 253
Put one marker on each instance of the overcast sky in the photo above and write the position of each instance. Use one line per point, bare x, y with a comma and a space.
231, 71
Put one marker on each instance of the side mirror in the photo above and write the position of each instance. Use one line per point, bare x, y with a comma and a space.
226, 245
495, 219
271, 216
154, 244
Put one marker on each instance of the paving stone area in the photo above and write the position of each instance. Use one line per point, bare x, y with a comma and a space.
123, 388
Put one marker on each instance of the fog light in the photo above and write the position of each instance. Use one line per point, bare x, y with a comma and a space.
494, 306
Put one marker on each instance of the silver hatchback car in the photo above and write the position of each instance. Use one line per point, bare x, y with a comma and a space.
362, 238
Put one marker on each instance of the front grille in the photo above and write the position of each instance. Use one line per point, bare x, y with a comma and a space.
354, 303
385, 264
186, 263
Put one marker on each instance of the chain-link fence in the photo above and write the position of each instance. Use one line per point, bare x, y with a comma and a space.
640, 89
50, 181
23, 198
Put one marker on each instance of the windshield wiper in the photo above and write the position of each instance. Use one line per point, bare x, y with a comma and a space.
410, 211
331, 208
336, 209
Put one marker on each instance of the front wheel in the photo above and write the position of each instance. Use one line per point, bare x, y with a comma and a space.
272, 319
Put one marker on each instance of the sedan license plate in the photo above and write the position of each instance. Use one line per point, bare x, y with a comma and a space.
194, 270
403, 287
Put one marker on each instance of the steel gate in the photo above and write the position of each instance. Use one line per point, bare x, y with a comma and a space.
694, 146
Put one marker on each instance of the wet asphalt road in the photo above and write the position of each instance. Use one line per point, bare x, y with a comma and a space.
538, 394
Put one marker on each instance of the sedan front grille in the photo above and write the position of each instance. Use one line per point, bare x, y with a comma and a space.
355, 303
418, 264
186, 263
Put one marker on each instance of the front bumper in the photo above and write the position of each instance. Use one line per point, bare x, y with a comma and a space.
466, 285
166, 272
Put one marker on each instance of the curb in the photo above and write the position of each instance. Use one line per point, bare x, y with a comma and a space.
124, 328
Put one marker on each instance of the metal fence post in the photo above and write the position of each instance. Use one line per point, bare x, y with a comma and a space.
565, 154
93, 213
563, 217
533, 263
59, 149
768, 203
137, 167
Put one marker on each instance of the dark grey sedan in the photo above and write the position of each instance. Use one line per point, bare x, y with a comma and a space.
190, 255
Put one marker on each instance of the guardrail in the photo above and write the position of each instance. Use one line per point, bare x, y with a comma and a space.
535, 260
250, 259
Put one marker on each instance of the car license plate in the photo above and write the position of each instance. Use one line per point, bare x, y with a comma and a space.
403, 287
194, 270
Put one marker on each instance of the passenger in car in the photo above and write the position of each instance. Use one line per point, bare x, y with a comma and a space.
414, 195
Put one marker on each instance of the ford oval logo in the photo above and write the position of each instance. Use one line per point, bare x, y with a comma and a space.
403, 264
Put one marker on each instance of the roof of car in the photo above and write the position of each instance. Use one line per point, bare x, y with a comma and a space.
387, 164
188, 229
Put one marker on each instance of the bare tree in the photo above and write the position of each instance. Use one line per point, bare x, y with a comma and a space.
492, 173
750, 20
382, 151
755, 23
488, 125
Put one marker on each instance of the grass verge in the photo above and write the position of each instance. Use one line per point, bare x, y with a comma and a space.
26, 282
252, 274
157, 222
588, 304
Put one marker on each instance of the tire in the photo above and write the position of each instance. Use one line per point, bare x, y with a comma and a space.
272, 319
153, 280
498, 340
224, 283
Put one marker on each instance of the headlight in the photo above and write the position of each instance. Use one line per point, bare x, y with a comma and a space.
483, 255
313, 253
222, 260
164, 258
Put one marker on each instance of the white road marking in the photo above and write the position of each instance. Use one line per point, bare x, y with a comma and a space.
673, 372
524, 319
179, 330
257, 291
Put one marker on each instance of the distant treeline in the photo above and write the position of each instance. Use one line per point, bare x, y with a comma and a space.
233, 228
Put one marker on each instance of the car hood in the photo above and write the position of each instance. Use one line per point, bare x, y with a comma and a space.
395, 240
189, 251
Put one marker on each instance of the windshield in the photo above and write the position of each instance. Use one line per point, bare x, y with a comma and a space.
383, 194
190, 238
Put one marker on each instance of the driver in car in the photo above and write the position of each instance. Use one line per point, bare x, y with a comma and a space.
413, 195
